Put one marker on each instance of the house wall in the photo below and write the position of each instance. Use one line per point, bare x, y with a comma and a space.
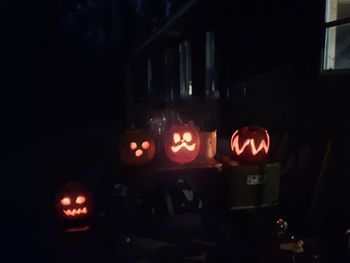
272, 50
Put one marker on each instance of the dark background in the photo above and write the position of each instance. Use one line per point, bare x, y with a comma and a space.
61, 112
63, 102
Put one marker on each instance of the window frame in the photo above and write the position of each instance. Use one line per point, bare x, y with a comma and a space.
324, 67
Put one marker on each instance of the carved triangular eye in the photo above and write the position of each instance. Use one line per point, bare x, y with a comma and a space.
133, 146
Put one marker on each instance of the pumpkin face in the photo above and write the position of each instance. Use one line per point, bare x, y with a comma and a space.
74, 201
208, 144
250, 144
137, 147
182, 143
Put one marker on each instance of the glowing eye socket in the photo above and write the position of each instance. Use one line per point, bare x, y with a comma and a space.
138, 153
80, 199
65, 201
145, 145
187, 136
176, 137
133, 146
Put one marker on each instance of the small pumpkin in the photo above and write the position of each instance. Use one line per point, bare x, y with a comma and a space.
137, 147
182, 143
74, 201
250, 144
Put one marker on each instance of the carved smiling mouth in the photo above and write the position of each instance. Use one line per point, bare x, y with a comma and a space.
177, 148
74, 212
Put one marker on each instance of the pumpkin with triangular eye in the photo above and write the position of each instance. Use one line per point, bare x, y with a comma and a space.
137, 147
182, 143
74, 201
250, 144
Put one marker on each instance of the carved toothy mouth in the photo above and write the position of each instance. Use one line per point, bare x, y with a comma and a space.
263, 145
177, 148
74, 212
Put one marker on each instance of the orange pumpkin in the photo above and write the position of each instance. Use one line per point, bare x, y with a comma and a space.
74, 201
250, 144
182, 143
137, 147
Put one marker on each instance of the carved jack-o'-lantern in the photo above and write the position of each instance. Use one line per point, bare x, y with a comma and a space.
137, 147
208, 144
182, 143
250, 144
74, 201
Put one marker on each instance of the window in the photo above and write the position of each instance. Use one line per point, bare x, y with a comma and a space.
337, 40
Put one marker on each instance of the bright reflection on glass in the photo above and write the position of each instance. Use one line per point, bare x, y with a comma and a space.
337, 47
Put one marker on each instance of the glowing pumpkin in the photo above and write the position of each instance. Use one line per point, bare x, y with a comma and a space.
182, 143
250, 144
74, 201
137, 147
208, 144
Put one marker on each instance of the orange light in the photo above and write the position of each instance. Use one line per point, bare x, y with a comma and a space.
263, 145
145, 145
235, 144
138, 153
65, 201
133, 145
177, 138
182, 143
80, 199
177, 148
75, 212
187, 136
74, 201
140, 141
